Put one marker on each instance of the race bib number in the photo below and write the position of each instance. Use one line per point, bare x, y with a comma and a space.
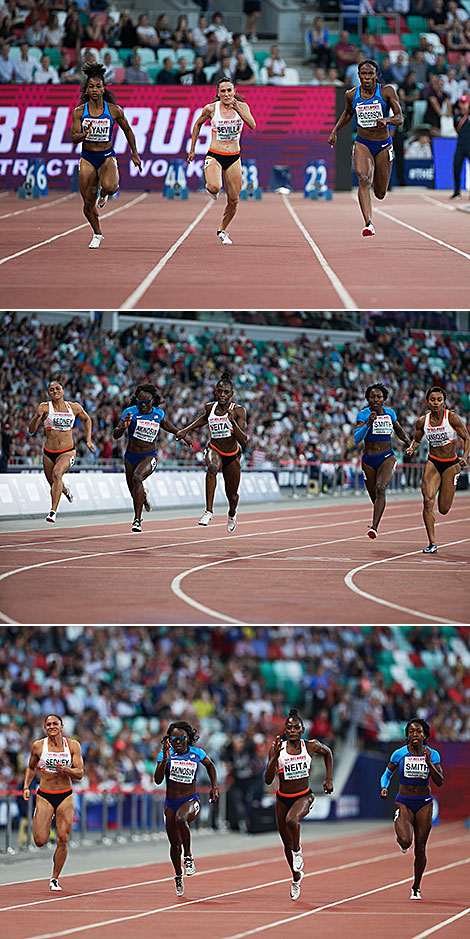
367, 114
100, 127
229, 131
183, 771
439, 439
415, 767
220, 429
382, 425
297, 769
63, 422
53, 764
147, 431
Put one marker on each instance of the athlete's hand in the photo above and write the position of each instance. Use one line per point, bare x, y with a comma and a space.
381, 122
328, 786
188, 440
180, 434
26, 794
166, 749
383, 793
231, 416
214, 794
126, 420
332, 138
462, 462
43, 409
409, 451
277, 744
190, 156
137, 161
371, 418
90, 446
427, 755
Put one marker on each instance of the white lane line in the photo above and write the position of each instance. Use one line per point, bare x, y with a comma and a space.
253, 887
42, 205
343, 294
446, 922
396, 606
70, 231
177, 589
135, 296
423, 233
450, 208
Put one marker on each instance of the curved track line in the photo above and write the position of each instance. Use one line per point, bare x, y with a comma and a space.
343, 294
396, 606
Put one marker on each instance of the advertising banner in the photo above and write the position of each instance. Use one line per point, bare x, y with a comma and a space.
293, 124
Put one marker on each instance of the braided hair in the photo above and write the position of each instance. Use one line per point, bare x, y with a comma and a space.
95, 70
149, 389
424, 725
192, 733
226, 378
379, 387
294, 715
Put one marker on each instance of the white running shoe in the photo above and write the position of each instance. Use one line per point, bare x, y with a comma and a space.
295, 887
136, 525
147, 502
231, 523
96, 241
415, 894
68, 494
372, 533
297, 860
212, 195
404, 850
368, 230
205, 519
179, 885
224, 237
101, 201
52, 516
189, 865
54, 884
431, 548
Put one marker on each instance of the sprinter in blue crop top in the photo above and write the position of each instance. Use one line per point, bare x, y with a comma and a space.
370, 103
417, 766
375, 425
92, 125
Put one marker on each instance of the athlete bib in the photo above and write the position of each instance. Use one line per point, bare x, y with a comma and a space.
100, 129
183, 771
368, 113
147, 431
297, 769
415, 767
383, 425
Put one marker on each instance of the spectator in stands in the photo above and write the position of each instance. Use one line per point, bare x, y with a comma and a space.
385, 72
439, 67
455, 36
111, 32
369, 47
351, 78
419, 148
275, 67
7, 32
408, 92
45, 73
318, 39
438, 103
239, 44
93, 34
73, 32
183, 36
108, 64
399, 69
452, 86
252, 11
184, 75
24, 66
243, 74
34, 34
437, 18
53, 33
213, 49
417, 64
68, 73
89, 57
134, 74
243, 767
321, 728
146, 35
5, 447
128, 37
224, 70
333, 76
164, 33
199, 35
199, 75
344, 52
167, 75
221, 32
455, 11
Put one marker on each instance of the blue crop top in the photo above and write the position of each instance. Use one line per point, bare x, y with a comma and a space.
101, 127
413, 770
183, 767
367, 110
144, 427
382, 428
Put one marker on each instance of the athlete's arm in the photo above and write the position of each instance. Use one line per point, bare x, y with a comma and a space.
243, 110
401, 434
390, 96
314, 746
198, 422
75, 771
345, 117
160, 768
459, 426
204, 116
418, 436
39, 417
212, 774
386, 777
237, 418
118, 114
31, 768
274, 752
362, 427
435, 769
122, 426
86, 419
170, 428
76, 132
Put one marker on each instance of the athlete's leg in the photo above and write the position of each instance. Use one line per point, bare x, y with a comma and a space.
403, 822
370, 473
88, 184
447, 488
214, 464
383, 479
364, 166
233, 185
63, 821
183, 818
422, 828
382, 173
213, 175
108, 174
231, 475
143, 469
174, 839
296, 813
429, 487
61, 465
42, 819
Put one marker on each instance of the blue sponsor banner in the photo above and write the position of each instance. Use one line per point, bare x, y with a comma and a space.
419, 173
443, 149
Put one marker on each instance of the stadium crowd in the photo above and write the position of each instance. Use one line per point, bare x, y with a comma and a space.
302, 395
117, 690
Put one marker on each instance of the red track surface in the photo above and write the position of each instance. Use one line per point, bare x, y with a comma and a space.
355, 886
271, 264
308, 565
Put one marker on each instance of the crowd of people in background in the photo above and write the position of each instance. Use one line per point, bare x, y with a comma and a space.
302, 395
117, 690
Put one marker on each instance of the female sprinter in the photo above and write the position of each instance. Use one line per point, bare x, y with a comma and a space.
142, 420
58, 417
227, 114
178, 762
375, 425
442, 470
291, 758
227, 428
417, 764
60, 761
92, 123
370, 102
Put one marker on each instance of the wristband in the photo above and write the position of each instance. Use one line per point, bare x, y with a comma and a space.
386, 777
360, 433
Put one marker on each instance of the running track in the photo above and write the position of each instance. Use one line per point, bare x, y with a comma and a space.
309, 564
288, 253
355, 886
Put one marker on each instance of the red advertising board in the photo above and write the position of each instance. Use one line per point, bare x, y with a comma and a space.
292, 125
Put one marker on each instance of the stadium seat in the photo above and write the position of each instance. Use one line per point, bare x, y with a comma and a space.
419, 110
391, 41
261, 54
263, 76
54, 56
209, 71
377, 24
125, 54
15, 53
188, 54
435, 41
410, 41
35, 52
72, 54
417, 24
452, 57
163, 54
119, 74
291, 76
115, 60
394, 53
147, 56
153, 71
